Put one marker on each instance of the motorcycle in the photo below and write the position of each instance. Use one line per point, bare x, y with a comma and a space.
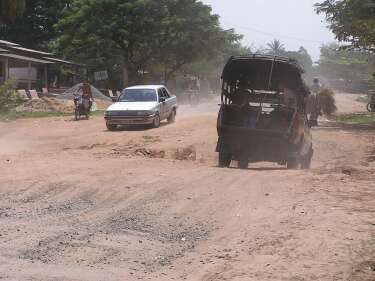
80, 109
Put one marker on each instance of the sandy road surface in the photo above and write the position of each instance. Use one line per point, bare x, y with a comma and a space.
80, 203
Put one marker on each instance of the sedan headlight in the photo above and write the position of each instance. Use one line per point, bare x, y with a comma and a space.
146, 112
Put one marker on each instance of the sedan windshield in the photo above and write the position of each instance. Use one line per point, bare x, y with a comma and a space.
138, 95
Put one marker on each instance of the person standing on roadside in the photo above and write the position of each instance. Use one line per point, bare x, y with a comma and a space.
313, 104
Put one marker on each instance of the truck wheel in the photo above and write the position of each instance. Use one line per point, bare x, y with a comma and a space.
243, 163
156, 123
172, 117
293, 164
306, 163
111, 127
76, 114
224, 159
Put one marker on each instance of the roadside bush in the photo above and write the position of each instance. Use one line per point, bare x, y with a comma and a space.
327, 101
9, 98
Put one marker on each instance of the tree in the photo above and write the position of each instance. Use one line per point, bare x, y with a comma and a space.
35, 28
275, 47
301, 56
351, 21
209, 53
304, 59
212, 66
351, 66
9, 98
11, 9
144, 33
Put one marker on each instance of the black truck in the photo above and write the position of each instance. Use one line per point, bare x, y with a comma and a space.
263, 113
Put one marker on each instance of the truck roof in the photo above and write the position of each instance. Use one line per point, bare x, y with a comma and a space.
151, 87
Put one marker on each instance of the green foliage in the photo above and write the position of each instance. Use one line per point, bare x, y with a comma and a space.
14, 115
360, 119
140, 35
351, 20
301, 56
9, 98
211, 65
327, 102
276, 48
35, 28
304, 59
350, 65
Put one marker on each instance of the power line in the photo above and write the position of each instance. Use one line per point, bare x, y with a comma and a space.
274, 35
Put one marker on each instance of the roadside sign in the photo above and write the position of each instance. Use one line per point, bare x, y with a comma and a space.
101, 75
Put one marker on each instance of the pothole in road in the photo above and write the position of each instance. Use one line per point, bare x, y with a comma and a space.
176, 230
68, 207
166, 235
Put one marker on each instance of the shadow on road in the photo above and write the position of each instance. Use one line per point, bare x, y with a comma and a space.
257, 169
135, 128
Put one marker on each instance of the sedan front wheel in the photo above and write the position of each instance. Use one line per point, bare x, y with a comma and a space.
156, 123
111, 127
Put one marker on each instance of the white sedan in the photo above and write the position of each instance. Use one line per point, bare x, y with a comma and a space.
147, 104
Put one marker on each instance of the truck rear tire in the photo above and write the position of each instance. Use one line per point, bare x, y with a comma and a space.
306, 162
224, 159
243, 163
293, 163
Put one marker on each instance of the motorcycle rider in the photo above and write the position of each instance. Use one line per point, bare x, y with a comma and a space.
84, 101
87, 98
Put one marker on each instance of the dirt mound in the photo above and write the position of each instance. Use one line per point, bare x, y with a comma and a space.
151, 153
46, 105
55, 105
102, 104
186, 153
69, 94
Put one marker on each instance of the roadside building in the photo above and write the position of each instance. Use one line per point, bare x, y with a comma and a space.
28, 68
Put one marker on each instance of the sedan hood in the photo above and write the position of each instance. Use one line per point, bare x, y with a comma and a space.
132, 106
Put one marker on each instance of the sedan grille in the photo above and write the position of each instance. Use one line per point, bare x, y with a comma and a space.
126, 113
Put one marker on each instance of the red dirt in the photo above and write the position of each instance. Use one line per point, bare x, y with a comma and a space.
81, 203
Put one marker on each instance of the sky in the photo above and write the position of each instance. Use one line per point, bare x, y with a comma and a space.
293, 22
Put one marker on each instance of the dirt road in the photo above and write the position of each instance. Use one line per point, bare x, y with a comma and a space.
80, 203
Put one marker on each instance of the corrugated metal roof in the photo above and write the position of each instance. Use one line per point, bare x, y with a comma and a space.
8, 43
13, 56
62, 61
12, 50
16, 48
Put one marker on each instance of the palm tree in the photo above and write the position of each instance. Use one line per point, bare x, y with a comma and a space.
275, 47
10, 9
